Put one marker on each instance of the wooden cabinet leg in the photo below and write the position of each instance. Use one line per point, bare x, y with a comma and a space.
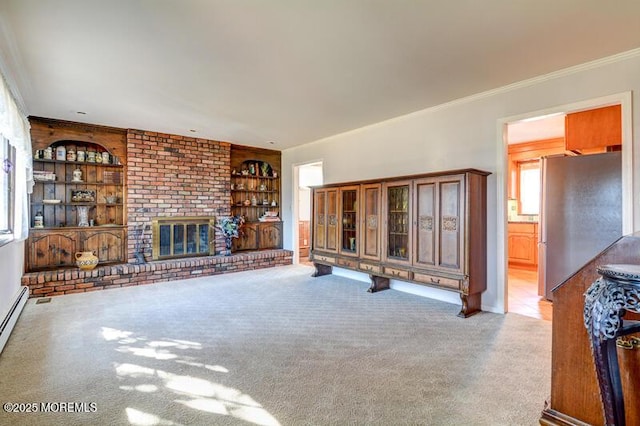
378, 284
322, 270
470, 304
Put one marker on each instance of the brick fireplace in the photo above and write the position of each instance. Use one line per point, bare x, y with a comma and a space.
167, 175
170, 175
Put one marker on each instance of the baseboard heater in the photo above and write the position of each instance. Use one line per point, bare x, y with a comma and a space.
9, 321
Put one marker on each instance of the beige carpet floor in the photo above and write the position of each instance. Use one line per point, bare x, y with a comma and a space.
271, 347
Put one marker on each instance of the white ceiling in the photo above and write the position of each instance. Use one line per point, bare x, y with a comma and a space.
288, 71
536, 129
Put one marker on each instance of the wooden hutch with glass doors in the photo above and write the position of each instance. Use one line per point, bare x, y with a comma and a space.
427, 229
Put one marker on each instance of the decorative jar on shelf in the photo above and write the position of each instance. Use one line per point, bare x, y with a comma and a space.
77, 175
38, 220
83, 216
61, 153
86, 260
71, 154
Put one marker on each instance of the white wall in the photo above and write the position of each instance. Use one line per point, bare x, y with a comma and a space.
11, 267
464, 134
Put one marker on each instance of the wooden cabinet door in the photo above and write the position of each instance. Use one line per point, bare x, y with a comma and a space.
595, 128
349, 222
49, 249
248, 239
319, 219
370, 221
108, 245
397, 226
332, 220
523, 244
425, 223
270, 235
451, 223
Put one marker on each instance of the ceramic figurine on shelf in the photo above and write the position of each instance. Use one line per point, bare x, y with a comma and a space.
77, 175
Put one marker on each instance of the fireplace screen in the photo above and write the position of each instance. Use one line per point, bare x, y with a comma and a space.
182, 236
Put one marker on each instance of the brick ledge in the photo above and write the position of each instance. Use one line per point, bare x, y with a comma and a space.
68, 281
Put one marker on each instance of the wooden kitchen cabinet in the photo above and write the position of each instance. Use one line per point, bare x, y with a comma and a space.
593, 129
523, 244
431, 230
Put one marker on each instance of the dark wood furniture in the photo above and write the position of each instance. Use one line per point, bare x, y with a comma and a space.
575, 397
255, 194
54, 244
428, 229
606, 302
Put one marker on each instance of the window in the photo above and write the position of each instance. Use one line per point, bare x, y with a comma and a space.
529, 187
7, 185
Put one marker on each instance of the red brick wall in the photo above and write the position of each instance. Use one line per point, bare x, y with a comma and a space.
170, 175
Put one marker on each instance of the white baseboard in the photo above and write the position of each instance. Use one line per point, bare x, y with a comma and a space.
9, 321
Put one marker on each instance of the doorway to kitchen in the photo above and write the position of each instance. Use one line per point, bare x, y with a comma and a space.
527, 139
308, 175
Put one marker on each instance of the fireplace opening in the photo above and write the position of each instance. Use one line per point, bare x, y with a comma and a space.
174, 237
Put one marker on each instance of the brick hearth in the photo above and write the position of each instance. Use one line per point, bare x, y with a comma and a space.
68, 281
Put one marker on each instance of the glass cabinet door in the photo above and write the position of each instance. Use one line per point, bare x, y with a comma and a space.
332, 219
370, 228
349, 220
398, 222
319, 219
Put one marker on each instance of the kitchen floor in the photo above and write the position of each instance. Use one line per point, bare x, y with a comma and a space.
523, 295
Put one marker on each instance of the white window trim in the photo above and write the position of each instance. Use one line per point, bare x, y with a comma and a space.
7, 235
14, 126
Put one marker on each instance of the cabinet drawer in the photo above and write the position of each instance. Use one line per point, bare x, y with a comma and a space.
397, 273
346, 263
323, 258
369, 268
522, 228
435, 280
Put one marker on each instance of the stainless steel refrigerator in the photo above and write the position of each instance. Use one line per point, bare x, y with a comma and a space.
580, 213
